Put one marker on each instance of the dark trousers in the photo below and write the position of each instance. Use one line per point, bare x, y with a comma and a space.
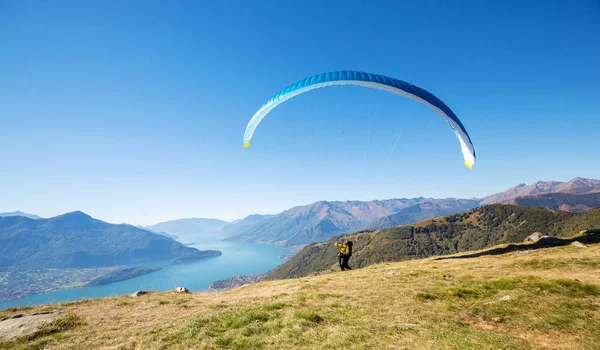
343, 261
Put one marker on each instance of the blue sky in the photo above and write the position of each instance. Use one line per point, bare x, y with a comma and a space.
134, 111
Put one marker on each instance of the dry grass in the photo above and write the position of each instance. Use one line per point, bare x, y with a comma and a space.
420, 304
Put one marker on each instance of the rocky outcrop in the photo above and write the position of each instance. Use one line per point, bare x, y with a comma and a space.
140, 292
534, 237
20, 325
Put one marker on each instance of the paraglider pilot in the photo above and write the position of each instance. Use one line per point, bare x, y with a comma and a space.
344, 254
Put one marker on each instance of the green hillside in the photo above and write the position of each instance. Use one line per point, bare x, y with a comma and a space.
476, 229
561, 201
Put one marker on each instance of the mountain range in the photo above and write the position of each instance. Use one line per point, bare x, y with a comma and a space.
425, 210
76, 240
322, 220
576, 185
242, 225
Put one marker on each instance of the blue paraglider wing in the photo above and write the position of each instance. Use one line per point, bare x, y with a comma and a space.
372, 81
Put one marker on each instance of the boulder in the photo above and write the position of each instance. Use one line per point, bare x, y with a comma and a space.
181, 290
534, 237
578, 244
140, 292
20, 325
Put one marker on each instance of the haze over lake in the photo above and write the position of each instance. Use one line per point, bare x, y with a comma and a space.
237, 259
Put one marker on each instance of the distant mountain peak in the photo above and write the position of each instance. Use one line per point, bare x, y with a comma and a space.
577, 185
192, 219
582, 181
78, 219
20, 213
75, 214
188, 229
252, 216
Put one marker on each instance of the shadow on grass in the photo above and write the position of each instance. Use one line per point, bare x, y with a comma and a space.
546, 242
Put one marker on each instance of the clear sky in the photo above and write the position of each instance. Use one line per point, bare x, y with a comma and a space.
134, 111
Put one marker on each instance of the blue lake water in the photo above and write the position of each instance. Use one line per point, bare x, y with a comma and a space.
237, 259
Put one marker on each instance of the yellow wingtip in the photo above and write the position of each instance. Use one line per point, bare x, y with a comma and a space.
469, 165
247, 144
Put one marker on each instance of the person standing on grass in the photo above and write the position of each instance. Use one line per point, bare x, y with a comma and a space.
344, 254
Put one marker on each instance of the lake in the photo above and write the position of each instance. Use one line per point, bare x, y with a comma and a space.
237, 259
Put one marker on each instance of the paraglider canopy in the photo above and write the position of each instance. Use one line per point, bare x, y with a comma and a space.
371, 81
